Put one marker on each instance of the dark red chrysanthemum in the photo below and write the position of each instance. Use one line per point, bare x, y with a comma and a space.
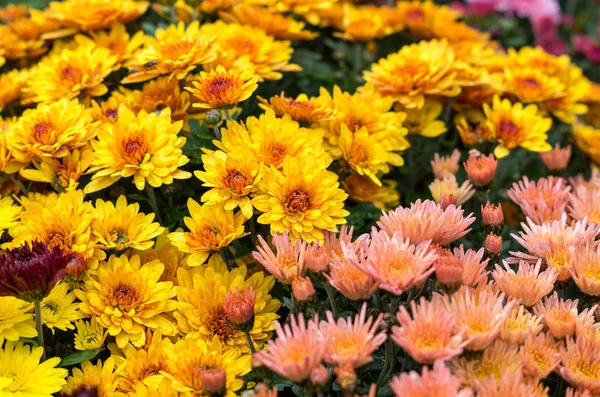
29, 272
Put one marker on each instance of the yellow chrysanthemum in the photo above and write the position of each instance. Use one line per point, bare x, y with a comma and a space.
382, 125
120, 44
531, 85
11, 12
308, 9
192, 362
107, 111
59, 309
168, 254
367, 23
420, 17
362, 189
62, 220
592, 100
303, 199
70, 73
90, 335
62, 174
145, 147
366, 155
16, 320
424, 121
233, 177
176, 51
587, 139
222, 88
51, 131
240, 43
271, 139
515, 125
212, 228
200, 299
8, 163
22, 37
9, 214
302, 109
22, 374
120, 226
417, 70
99, 379
88, 15
127, 297
144, 365
11, 84
163, 389
274, 24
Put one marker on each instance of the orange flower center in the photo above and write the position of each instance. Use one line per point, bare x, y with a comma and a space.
237, 182
277, 152
43, 133
353, 123
124, 297
358, 155
207, 237
530, 83
149, 371
222, 326
134, 151
508, 131
415, 15
297, 201
112, 113
219, 85
70, 73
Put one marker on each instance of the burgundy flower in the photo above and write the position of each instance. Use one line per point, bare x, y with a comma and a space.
29, 272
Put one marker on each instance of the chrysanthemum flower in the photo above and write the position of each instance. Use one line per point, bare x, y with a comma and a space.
556, 159
195, 367
351, 343
445, 166
261, 390
212, 227
176, 51
303, 199
426, 220
22, 373
516, 126
99, 379
9, 214
520, 325
362, 189
348, 278
539, 355
366, 155
126, 297
509, 384
542, 201
146, 147
586, 138
222, 88
431, 333
417, 70
11, 12
272, 139
302, 109
561, 317
8, 163
90, 335
59, 220
70, 73
527, 285
287, 262
201, 295
298, 349
22, 38
480, 169
437, 382
122, 226
367, 22
424, 121
532, 85
497, 360
396, 263
308, 9
16, 320
585, 269
232, 177
479, 314
117, 41
584, 203
144, 365
239, 44
473, 266
52, 131
553, 243
448, 186
168, 254
580, 363
88, 15
272, 23
59, 309
11, 84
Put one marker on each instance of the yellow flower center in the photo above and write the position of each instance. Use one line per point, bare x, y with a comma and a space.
586, 371
277, 152
297, 201
593, 273
358, 155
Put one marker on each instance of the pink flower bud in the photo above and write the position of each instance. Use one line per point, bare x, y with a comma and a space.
303, 289
480, 169
239, 306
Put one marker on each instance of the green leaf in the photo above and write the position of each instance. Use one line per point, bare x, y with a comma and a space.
201, 137
362, 215
77, 357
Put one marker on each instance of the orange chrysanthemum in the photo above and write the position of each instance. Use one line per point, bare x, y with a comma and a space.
222, 88
302, 109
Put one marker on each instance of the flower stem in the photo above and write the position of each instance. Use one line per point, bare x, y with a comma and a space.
153, 204
389, 356
226, 255
227, 114
250, 342
253, 235
330, 295
20, 184
40, 329
217, 131
358, 52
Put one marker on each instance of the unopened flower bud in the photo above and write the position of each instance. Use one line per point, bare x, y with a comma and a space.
447, 200
213, 381
319, 377
449, 271
346, 377
303, 289
239, 307
480, 169
316, 258
493, 245
556, 159
213, 117
75, 265
492, 217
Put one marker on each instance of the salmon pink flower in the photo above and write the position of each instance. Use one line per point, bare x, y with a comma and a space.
437, 382
528, 284
556, 159
542, 201
480, 169
445, 166
287, 263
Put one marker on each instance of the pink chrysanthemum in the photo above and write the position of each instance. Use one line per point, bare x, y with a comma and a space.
474, 267
528, 284
426, 220
492, 215
585, 269
432, 333
539, 355
553, 243
298, 349
557, 159
543, 201
562, 317
480, 169
445, 166
519, 325
345, 276
395, 263
584, 202
580, 363
438, 382
509, 385
351, 343
287, 263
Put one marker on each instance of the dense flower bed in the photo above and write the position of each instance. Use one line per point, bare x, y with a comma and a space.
299, 197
